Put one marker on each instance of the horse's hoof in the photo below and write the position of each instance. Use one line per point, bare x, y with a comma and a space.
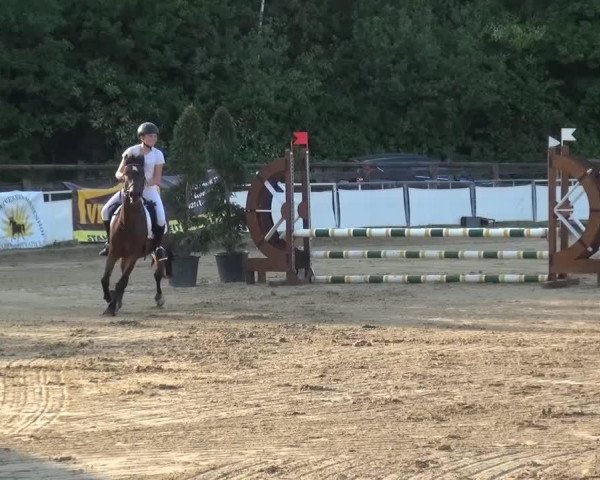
109, 311
160, 301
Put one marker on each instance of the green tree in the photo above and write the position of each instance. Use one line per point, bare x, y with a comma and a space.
483, 80
189, 161
224, 219
38, 93
222, 148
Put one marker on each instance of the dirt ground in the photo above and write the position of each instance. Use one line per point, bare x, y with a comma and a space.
230, 381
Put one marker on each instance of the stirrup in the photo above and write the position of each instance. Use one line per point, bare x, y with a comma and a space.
104, 251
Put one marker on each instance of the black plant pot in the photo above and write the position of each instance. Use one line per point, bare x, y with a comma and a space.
185, 271
232, 266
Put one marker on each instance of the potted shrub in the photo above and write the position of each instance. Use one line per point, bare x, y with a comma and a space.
225, 219
188, 160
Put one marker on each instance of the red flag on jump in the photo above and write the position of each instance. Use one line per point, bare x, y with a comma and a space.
301, 138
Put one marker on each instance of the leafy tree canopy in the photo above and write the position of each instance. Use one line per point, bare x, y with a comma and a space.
468, 79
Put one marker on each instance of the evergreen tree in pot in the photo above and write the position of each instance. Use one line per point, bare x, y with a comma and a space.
225, 219
188, 160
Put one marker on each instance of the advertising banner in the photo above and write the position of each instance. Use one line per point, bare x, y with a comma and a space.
21, 220
87, 204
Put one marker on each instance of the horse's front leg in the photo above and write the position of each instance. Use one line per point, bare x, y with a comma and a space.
108, 268
117, 297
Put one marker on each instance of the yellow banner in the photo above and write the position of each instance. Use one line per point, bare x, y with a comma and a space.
87, 205
87, 218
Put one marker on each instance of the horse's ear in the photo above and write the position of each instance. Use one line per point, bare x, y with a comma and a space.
134, 160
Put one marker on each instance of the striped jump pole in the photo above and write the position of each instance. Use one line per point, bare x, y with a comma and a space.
433, 254
421, 232
450, 278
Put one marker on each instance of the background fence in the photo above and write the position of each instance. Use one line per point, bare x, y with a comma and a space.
351, 205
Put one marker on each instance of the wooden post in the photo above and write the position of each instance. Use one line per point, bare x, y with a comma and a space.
564, 189
552, 234
289, 214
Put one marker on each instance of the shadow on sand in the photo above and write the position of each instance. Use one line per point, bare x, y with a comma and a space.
19, 466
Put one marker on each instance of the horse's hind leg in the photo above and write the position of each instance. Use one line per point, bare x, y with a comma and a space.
158, 276
108, 268
162, 270
117, 298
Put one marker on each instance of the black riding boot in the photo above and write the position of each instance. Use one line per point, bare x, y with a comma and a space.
104, 251
159, 251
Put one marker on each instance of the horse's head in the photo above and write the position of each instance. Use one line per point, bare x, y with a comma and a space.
134, 177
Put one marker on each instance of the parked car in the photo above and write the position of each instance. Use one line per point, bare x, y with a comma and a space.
400, 167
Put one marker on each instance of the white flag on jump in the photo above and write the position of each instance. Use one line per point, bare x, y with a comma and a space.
566, 135
553, 142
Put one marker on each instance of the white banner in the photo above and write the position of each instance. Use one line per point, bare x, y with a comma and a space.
438, 207
505, 204
321, 209
57, 218
372, 208
21, 223
240, 198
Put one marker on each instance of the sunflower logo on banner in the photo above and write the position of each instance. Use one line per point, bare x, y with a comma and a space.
20, 223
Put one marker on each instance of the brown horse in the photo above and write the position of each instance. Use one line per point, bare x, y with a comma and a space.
129, 238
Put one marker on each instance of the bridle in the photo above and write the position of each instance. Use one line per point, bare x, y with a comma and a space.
134, 174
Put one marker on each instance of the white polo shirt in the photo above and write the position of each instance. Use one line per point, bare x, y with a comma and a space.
152, 158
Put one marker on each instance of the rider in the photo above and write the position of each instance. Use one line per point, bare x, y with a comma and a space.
153, 166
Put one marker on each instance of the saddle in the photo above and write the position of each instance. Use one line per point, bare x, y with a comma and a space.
150, 207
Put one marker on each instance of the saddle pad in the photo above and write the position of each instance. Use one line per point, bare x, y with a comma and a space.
118, 209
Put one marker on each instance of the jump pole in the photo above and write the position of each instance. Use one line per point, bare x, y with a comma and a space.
432, 254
